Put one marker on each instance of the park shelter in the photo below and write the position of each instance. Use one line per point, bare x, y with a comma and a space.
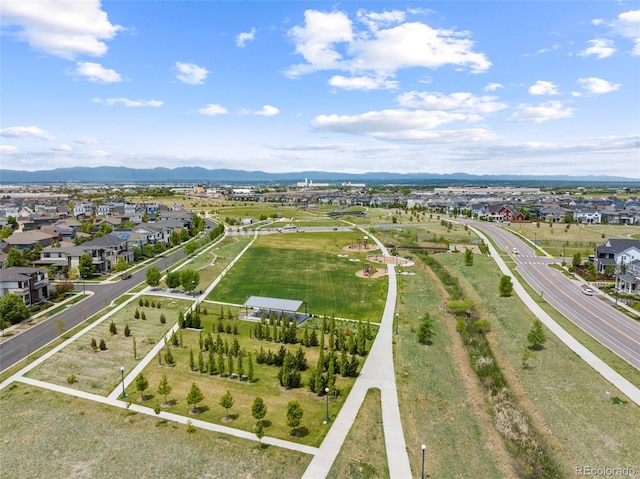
279, 307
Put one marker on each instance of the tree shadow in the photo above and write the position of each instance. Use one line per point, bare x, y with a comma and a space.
266, 423
300, 432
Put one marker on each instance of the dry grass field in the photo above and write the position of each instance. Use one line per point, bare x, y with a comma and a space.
51, 435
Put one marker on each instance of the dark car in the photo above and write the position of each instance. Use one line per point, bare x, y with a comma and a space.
126, 276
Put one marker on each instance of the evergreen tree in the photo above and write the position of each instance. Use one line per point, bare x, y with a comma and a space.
192, 363
194, 397
537, 337
425, 332
250, 368
258, 409
112, 328
220, 364
230, 364
142, 384
506, 286
164, 389
212, 361
168, 357
127, 330
201, 365
294, 416
103, 345
226, 401
468, 257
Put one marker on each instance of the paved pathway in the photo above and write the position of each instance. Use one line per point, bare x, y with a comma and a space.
377, 372
628, 389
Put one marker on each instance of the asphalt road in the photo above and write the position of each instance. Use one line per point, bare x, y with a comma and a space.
593, 314
32, 339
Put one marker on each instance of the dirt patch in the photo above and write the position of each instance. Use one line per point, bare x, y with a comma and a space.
378, 273
387, 259
462, 247
360, 248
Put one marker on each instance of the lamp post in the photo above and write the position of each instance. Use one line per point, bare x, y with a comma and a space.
397, 321
422, 474
124, 394
326, 419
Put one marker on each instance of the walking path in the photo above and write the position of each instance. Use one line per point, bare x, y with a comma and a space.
377, 372
628, 389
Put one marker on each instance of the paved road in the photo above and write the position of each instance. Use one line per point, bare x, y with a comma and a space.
593, 314
32, 339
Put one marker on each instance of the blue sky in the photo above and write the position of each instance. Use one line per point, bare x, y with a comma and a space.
501, 87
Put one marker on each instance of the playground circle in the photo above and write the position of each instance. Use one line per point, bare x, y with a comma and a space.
369, 273
387, 259
361, 248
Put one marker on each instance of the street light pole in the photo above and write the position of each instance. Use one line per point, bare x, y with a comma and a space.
397, 321
124, 394
326, 419
422, 474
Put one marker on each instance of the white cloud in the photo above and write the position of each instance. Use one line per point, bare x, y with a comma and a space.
552, 110
62, 148
86, 140
329, 41
375, 20
493, 86
462, 102
26, 132
95, 72
213, 109
542, 87
394, 125
597, 21
60, 27
191, 73
128, 103
8, 150
245, 37
598, 85
628, 25
364, 83
601, 48
267, 110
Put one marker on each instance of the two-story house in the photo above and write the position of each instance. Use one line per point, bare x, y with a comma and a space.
31, 284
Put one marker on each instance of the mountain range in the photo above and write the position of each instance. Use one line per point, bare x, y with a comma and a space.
113, 174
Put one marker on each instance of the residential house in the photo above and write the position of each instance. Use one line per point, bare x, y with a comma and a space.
586, 215
31, 284
28, 239
618, 252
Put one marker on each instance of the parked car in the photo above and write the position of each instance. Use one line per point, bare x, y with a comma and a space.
126, 276
587, 291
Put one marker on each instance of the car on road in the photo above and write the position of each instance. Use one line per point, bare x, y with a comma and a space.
515, 251
126, 276
587, 291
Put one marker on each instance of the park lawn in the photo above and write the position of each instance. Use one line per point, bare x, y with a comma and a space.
48, 434
98, 371
306, 267
265, 385
568, 401
436, 407
355, 461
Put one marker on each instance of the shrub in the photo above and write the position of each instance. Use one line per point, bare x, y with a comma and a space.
112, 328
127, 330
163, 319
71, 378
103, 345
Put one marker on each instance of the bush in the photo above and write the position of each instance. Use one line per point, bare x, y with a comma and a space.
163, 319
103, 345
127, 330
481, 326
112, 328
71, 378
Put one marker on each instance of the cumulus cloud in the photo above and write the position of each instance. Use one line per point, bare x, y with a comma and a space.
464, 102
364, 83
329, 41
62, 148
600, 48
59, 27
493, 86
552, 110
191, 73
266, 110
94, 72
542, 87
8, 150
128, 102
628, 25
213, 109
244, 37
598, 85
26, 132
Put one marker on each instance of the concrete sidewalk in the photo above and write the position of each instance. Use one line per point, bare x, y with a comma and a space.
377, 372
625, 387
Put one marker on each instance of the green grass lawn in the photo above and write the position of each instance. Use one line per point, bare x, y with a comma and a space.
561, 392
265, 385
46, 434
306, 267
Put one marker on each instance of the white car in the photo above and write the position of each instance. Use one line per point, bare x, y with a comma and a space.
515, 251
587, 291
